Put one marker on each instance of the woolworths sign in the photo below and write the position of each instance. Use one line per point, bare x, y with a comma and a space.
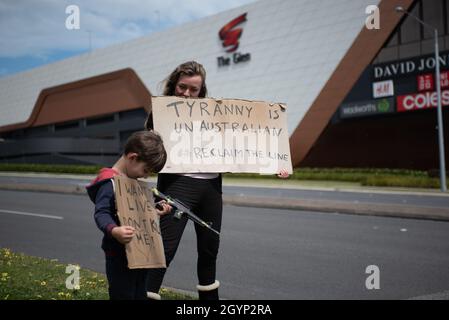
367, 108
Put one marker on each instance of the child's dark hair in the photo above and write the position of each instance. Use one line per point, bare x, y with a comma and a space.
149, 147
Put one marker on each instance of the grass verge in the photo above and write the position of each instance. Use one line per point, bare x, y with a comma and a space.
24, 277
366, 177
49, 168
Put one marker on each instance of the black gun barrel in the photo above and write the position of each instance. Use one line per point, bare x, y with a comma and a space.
183, 209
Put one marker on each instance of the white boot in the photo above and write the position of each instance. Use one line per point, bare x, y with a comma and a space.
209, 292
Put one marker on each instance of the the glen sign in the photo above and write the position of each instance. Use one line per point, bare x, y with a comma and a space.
229, 36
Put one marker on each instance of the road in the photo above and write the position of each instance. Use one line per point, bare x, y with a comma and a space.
264, 254
419, 199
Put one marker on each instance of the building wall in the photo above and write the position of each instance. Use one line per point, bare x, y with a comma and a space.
408, 142
411, 39
394, 139
97, 140
294, 45
296, 49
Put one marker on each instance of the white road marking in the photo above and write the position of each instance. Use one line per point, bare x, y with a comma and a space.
31, 214
443, 295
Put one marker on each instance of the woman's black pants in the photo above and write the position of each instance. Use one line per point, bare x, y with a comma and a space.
204, 198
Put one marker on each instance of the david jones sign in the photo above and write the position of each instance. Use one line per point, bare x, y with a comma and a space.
409, 67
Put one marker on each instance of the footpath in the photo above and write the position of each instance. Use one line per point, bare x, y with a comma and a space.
260, 198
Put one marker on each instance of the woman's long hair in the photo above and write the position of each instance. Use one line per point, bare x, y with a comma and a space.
189, 68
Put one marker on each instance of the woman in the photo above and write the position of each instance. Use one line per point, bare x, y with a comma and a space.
201, 192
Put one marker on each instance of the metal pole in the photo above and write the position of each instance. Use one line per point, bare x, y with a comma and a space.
90, 41
440, 117
439, 107
158, 18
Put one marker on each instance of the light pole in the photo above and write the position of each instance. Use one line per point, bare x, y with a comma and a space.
439, 107
158, 18
90, 39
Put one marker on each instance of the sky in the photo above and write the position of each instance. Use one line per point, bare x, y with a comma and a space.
38, 32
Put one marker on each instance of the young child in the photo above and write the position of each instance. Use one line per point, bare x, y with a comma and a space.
144, 153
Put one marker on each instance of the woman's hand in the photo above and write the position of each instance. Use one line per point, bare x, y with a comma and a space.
283, 174
162, 208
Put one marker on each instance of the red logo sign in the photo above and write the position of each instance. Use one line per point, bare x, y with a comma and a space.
230, 36
444, 79
425, 82
420, 101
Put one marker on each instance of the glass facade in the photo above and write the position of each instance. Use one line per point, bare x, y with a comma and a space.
411, 39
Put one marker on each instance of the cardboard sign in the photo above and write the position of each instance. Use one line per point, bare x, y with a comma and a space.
135, 208
210, 135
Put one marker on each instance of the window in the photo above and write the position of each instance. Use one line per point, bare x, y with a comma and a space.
66, 125
410, 28
37, 131
132, 114
99, 120
433, 15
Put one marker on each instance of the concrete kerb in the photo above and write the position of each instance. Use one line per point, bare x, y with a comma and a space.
70, 189
388, 210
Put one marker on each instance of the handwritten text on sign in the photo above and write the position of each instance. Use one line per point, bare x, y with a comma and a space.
208, 135
135, 208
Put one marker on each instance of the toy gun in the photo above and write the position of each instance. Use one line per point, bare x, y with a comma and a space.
181, 209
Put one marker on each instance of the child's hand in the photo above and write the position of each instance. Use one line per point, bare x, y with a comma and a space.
283, 174
162, 207
123, 234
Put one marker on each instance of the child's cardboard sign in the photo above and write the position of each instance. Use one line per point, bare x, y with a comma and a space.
228, 135
135, 208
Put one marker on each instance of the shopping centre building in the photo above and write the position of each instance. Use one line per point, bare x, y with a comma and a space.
358, 83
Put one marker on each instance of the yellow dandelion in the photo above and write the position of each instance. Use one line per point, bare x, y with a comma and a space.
43, 283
